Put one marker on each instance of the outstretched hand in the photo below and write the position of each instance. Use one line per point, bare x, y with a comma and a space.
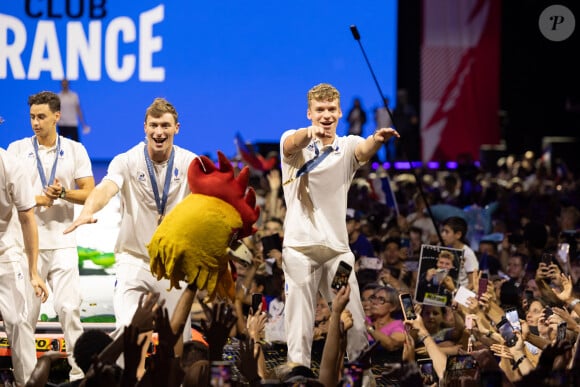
221, 320
146, 310
248, 361
385, 134
167, 337
82, 219
132, 349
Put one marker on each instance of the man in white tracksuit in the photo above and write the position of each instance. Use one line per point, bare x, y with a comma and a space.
315, 235
13, 292
151, 179
61, 177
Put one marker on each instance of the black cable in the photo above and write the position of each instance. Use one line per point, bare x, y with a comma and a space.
356, 36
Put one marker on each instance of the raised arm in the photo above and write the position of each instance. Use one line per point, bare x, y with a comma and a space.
366, 149
300, 138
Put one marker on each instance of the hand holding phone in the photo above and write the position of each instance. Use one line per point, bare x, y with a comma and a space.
341, 276
407, 306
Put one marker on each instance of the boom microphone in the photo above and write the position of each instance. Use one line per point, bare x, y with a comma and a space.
356, 36
355, 33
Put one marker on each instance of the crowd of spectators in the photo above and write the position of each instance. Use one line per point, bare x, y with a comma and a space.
526, 260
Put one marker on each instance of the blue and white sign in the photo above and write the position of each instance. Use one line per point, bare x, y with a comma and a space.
227, 66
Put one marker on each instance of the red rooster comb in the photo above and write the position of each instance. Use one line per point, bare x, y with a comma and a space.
206, 179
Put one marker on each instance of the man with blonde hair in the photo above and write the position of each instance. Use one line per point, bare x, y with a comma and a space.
151, 179
317, 169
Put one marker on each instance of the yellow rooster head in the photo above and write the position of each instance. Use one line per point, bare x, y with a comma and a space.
191, 242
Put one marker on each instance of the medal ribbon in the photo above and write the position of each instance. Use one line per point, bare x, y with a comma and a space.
312, 163
160, 202
39, 163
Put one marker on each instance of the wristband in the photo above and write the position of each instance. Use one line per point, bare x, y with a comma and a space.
518, 362
62, 194
422, 339
572, 304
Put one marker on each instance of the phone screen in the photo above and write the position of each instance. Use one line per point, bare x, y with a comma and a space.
469, 321
428, 374
256, 300
407, 306
563, 251
352, 375
507, 332
460, 365
512, 316
482, 287
271, 242
221, 373
547, 258
341, 276
561, 333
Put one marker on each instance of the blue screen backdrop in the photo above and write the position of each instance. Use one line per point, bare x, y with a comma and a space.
227, 66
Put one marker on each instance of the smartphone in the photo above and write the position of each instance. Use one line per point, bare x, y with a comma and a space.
561, 332
563, 251
482, 287
271, 242
221, 373
512, 316
469, 321
352, 375
459, 366
548, 312
372, 263
256, 301
427, 371
341, 276
507, 332
547, 258
407, 306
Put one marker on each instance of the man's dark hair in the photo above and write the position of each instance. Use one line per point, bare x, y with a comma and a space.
45, 97
89, 344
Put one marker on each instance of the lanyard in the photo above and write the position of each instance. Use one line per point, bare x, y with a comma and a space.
160, 202
312, 163
39, 163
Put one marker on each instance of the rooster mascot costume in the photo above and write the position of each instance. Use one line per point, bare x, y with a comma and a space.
192, 241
